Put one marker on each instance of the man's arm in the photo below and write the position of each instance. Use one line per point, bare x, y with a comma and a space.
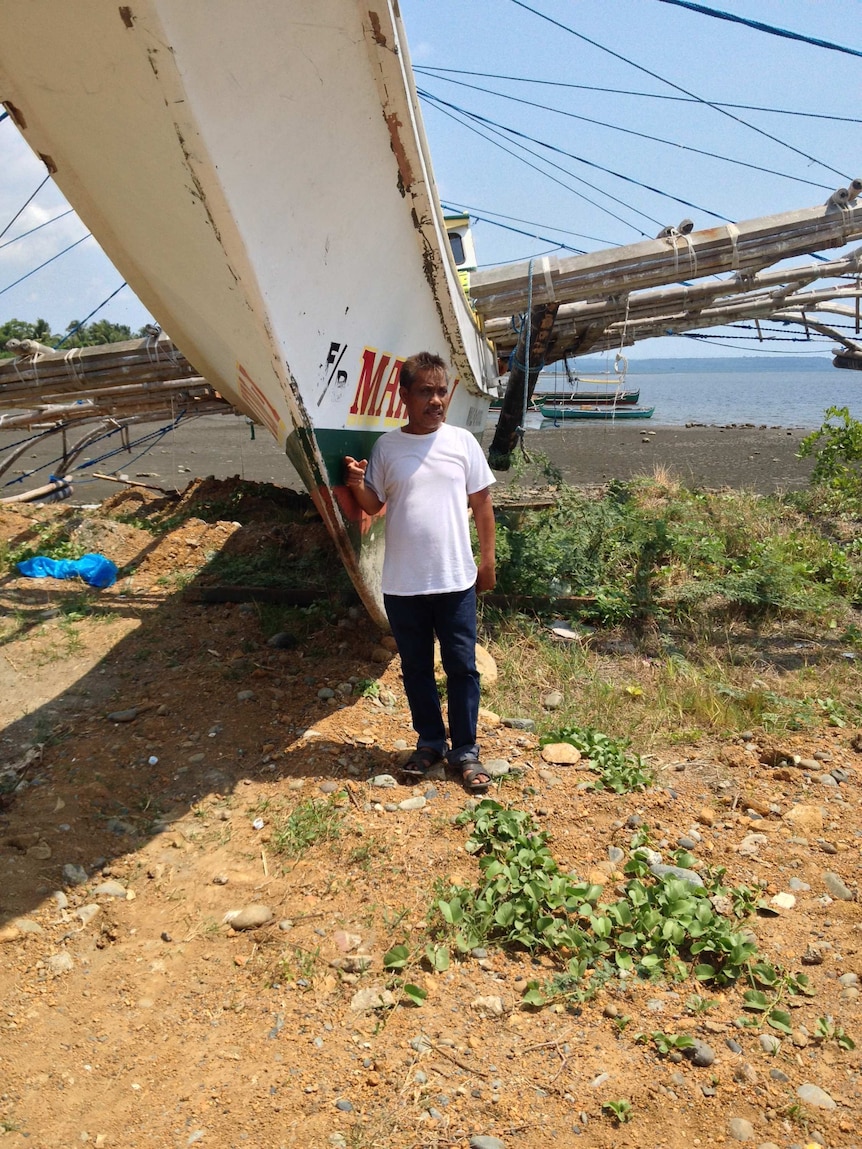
483, 516
354, 477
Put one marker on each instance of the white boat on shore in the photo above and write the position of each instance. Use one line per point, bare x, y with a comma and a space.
259, 174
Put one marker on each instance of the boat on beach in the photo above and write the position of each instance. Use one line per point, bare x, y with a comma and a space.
262, 180
569, 411
591, 398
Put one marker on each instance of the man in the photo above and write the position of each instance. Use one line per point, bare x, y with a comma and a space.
428, 473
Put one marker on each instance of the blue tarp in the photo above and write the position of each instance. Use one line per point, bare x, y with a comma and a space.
95, 570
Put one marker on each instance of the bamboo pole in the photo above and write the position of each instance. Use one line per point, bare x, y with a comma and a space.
750, 245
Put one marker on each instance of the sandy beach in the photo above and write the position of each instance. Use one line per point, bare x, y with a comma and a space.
752, 458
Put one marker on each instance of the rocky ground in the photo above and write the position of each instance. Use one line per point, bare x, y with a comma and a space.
177, 768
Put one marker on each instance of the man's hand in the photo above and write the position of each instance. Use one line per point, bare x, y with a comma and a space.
354, 471
486, 579
354, 478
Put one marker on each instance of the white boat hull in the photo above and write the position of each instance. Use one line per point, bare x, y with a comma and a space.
258, 173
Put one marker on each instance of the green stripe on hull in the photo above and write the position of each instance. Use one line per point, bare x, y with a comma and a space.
361, 552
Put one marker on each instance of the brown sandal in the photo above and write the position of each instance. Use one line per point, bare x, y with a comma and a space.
421, 762
472, 775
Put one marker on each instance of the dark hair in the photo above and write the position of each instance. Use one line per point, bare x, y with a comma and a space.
423, 361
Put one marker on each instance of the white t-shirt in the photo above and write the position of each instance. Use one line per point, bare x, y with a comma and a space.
424, 481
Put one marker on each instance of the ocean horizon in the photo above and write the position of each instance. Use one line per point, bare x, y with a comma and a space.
795, 392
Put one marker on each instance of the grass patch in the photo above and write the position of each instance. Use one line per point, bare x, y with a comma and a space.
311, 822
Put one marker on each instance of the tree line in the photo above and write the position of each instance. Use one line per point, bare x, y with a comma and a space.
90, 335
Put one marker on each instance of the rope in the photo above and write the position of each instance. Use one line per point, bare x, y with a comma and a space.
155, 436
45, 264
759, 26
78, 326
29, 201
38, 227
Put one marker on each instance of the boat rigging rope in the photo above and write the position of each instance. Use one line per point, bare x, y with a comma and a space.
26, 204
156, 436
9, 287
759, 26
78, 326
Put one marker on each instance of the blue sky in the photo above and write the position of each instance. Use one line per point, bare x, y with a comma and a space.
712, 59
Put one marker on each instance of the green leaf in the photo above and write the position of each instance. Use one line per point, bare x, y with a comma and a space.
533, 994
397, 958
704, 972
438, 956
416, 995
780, 1020
505, 914
754, 999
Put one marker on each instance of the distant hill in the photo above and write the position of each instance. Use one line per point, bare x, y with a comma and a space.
738, 364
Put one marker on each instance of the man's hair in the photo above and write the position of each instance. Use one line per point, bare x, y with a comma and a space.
423, 361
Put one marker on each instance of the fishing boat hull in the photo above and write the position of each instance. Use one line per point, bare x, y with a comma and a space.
261, 179
611, 414
590, 398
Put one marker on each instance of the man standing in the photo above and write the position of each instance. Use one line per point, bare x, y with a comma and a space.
428, 473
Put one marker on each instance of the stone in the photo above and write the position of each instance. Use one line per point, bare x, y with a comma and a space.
813, 1095
699, 1053
813, 955
836, 887
60, 963
346, 941
496, 767
124, 715
87, 913
519, 723
110, 890
740, 1129
372, 998
486, 666
385, 781
769, 1043
806, 818
552, 700
249, 917
418, 802
489, 1006
480, 1141
783, 901
560, 754
751, 843
659, 870
283, 640
706, 816
74, 875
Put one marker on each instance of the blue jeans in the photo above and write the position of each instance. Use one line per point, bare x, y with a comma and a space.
415, 619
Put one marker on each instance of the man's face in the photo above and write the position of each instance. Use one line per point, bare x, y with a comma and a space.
426, 402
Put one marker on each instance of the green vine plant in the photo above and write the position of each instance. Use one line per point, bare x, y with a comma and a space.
609, 758
661, 926
767, 1006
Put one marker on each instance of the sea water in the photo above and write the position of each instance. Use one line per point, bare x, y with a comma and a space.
791, 398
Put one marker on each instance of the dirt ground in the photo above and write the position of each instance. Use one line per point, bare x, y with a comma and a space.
163, 745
